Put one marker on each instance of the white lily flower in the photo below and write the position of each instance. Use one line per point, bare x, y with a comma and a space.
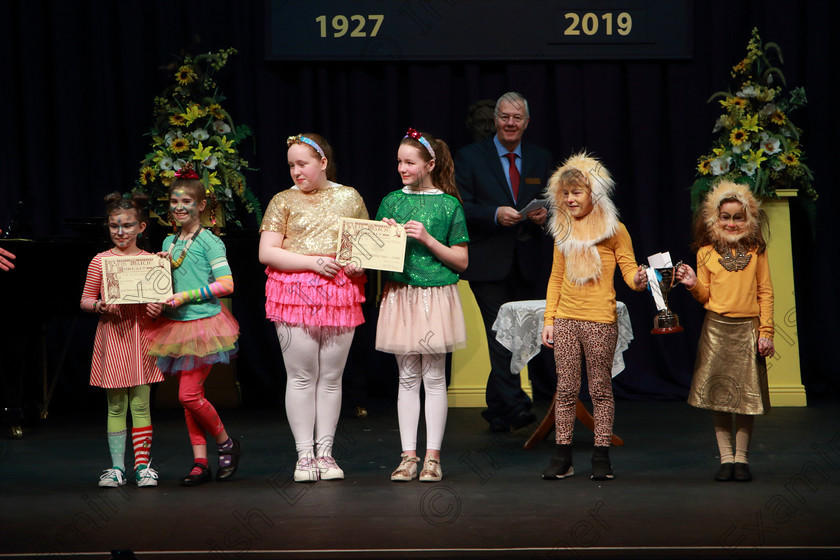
748, 91
210, 163
166, 163
720, 165
221, 127
200, 134
742, 147
771, 145
178, 164
749, 167
767, 110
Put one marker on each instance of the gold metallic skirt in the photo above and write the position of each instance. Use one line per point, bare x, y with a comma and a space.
729, 375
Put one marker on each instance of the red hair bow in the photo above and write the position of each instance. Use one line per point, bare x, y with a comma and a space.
187, 172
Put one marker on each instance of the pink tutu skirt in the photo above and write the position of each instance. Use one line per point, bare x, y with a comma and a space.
309, 299
427, 320
187, 345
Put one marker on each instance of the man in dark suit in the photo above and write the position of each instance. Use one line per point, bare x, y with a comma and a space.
509, 253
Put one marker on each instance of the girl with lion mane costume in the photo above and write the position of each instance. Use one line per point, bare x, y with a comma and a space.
580, 302
733, 284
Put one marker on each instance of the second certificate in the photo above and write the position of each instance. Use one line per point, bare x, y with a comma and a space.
371, 244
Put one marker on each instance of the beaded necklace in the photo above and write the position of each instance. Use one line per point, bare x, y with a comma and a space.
180, 260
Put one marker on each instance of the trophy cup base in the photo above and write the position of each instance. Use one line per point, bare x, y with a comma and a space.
666, 330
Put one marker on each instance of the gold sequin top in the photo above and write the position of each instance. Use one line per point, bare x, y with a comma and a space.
309, 221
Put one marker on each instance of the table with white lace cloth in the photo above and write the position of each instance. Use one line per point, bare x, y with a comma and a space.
519, 326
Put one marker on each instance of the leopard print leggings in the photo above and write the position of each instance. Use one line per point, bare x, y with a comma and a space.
598, 343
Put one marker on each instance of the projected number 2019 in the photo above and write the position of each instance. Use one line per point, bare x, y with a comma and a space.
356, 25
590, 24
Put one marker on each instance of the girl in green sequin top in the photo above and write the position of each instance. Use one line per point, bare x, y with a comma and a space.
420, 317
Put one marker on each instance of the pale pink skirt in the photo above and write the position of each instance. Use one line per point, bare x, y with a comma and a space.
426, 320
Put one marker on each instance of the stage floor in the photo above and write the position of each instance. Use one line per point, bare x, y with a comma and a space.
491, 503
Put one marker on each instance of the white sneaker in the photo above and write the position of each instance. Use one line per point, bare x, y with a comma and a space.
306, 470
112, 478
328, 469
145, 476
431, 471
407, 470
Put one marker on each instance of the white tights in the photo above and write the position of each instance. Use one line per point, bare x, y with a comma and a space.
431, 369
315, 360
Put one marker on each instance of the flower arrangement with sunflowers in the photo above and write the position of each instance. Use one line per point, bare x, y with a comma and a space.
757, 143
192, 129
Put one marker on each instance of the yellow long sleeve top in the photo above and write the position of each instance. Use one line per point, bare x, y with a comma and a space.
742, 293
595, 300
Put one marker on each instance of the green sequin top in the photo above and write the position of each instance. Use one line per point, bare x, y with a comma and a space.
443, 217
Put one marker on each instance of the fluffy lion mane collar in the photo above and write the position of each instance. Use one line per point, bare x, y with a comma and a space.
576, 238
728, 190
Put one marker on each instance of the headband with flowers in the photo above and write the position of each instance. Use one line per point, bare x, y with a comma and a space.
411, 133
301, 138
187, 172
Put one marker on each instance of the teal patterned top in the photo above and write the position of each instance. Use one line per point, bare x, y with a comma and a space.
204, 263
443, 217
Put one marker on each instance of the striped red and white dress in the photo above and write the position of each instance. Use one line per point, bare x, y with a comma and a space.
121, 349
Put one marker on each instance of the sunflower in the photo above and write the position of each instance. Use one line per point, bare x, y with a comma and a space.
737, 136
147, 175
179, 145
178, 119
216, 110
734, 101
185, 75
704, 167
778, 117
790, 159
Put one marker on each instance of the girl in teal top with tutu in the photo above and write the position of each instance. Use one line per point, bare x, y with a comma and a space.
420, 316
196, 330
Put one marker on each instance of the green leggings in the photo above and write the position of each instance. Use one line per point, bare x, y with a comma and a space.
119, 400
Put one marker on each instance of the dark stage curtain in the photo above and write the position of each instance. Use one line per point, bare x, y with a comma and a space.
79, 77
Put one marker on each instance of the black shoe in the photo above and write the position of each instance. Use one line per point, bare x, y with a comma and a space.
521, 419
499, 425
560, 465
742, 472
601, 467
224, 473
725, 472
196, 479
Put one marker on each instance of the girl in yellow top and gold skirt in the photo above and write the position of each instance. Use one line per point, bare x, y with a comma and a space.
733, 284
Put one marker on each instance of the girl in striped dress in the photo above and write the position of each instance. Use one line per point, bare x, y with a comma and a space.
121, 364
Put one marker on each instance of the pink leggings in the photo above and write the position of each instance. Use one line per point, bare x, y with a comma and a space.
597, 340
200, 414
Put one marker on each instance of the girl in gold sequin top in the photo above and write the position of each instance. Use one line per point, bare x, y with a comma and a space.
314, 302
